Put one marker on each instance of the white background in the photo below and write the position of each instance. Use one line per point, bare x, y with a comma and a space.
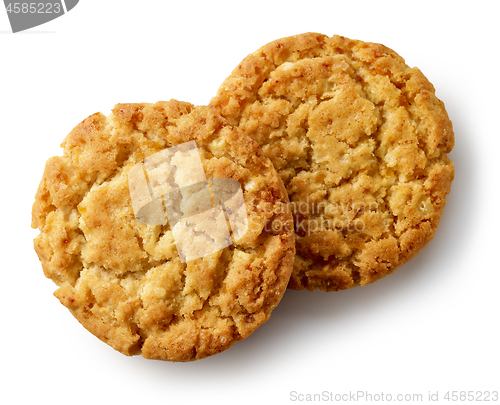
431, 326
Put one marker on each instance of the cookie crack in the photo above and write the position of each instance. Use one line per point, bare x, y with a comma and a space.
376, 135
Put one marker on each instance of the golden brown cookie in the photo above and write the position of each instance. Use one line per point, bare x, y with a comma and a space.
141, 230
360, 141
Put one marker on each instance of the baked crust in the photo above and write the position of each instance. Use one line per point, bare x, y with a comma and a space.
124, 280
360, 142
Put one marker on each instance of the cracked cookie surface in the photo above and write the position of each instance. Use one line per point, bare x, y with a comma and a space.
124, 280
360, 142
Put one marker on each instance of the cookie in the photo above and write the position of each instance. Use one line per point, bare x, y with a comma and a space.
360, 142
167, 232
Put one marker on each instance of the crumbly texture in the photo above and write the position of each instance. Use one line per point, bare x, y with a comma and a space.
123, 280
360, 142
